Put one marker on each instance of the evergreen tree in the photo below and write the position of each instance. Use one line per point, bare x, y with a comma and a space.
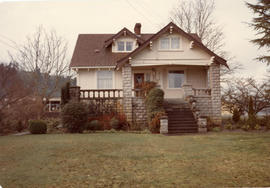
261, 24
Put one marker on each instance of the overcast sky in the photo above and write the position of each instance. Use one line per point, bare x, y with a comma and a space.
70, 17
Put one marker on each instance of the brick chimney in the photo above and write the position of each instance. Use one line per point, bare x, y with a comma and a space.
137, 28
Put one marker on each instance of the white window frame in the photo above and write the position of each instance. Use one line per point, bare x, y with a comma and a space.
112, 79
170, 43
125, 45
184, 78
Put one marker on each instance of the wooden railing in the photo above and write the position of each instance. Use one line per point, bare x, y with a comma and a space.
101, 93
201, 91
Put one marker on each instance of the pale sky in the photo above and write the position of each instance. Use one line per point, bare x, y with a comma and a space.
71, 17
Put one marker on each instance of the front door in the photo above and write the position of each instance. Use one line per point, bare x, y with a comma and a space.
138, 81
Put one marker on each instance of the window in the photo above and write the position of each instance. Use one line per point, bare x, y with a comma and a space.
165, 43
104, 79
124, 46
170, 43
175, 43
176, 79
120, 46
129, 46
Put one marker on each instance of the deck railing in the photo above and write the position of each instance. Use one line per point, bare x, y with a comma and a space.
201, 91
101, 93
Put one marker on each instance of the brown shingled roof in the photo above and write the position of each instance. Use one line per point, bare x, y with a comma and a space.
95, 49
90, 51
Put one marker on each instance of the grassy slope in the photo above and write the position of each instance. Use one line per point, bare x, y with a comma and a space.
221, 159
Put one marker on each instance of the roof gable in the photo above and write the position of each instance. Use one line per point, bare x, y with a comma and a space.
167, 28
123, 32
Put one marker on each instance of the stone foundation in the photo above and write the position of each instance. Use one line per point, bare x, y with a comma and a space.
139, 115
215, 93
204, 104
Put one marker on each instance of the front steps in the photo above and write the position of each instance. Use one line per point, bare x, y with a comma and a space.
180, 117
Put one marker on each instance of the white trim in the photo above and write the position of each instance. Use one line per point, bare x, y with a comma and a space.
171, 63
93, 67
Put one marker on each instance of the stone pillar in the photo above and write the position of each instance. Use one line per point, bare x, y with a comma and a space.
188, 90
164, 125
215, 92
202, 124
74, 93
127, 91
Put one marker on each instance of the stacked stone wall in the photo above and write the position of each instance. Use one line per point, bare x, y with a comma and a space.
204, 104
215, 92
139, 114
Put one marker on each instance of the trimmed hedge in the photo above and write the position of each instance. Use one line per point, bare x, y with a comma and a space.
74, 117
115, 124
37, 127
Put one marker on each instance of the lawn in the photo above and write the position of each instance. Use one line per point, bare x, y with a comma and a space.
135, 160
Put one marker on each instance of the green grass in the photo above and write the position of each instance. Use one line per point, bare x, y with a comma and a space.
135, 160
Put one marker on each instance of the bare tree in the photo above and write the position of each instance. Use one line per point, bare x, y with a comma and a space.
238, 92
44, 59
196, 16
12, 87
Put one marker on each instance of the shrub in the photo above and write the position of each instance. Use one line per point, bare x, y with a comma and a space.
210, 124
245, 127
216, 129
94, 125
229, 126
236, 115
19, 126
115, 123
154, 107
147, 87
257, 127
37, 127
52, 125
122, 121
74, 117
154, 125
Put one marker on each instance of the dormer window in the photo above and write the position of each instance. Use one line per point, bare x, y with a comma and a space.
121, 46
124, 46
170, 43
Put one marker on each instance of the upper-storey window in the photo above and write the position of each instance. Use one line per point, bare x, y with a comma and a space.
129, 46
170, 43
124, 46
121, 46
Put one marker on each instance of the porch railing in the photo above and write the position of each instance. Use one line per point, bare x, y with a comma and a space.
201, 91
101, 94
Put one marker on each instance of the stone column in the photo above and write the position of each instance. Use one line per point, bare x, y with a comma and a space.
74, 93
127, 91
214, 75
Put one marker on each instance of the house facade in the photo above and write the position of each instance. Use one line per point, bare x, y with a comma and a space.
177, 61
